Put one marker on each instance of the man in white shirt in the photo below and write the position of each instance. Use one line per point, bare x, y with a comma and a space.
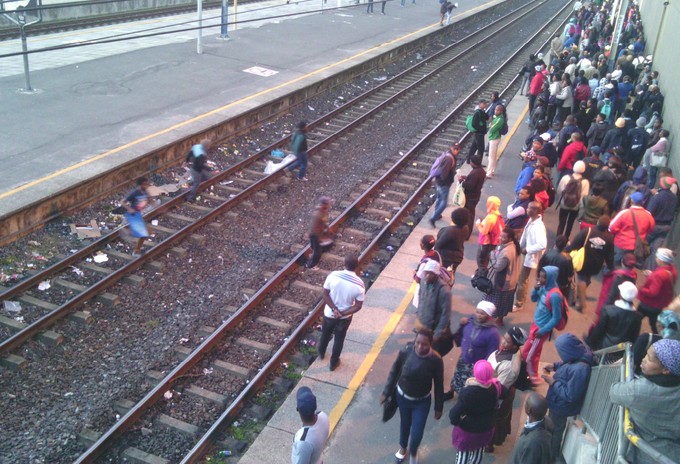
310, 440
533, 243
343, 293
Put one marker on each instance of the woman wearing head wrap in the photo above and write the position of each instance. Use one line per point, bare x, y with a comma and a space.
506, 363
613, 278
504, 273
654, 399
473, 414
619, 322
657, 291
478, 337
489, 231
668, 326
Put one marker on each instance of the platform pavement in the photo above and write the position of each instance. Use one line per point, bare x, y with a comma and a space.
96, 114
351, 393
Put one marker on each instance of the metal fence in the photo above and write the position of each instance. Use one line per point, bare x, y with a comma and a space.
602, 432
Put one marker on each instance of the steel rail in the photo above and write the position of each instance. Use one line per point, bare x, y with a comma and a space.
138, 410
58, 313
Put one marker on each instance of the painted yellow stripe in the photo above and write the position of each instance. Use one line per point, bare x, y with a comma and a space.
369, 360
222, 108
511, 132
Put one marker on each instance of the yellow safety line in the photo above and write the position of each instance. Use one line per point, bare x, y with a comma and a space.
212, 112
369, 360
511, 132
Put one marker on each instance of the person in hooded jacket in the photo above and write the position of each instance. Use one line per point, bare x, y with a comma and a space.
561, 260
657, 291
549, 300
619, 322
638, 183
489, 231
654, 399
616, 136
568, 384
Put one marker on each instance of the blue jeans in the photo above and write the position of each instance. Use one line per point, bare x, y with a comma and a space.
651, 180
440, 204
300, 162
413, 416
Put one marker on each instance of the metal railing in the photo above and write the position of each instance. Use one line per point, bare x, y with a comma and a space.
609, 427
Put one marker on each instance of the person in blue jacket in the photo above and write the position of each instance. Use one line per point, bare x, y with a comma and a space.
568, 384
549, 300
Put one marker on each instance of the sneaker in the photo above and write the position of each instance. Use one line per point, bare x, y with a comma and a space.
304, 179
516, 308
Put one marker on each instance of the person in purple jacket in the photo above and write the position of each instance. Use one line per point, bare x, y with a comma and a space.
478, 337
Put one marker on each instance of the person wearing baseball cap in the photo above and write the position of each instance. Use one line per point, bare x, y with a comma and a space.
619, 322
628, 224
653, 399
506, 362
310, 440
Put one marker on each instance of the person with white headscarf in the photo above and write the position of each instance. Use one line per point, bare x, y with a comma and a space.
657, 291
619, 322
478, 337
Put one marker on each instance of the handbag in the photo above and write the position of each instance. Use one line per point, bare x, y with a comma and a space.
458, 198
641, 250
481, 282
390, 406
578, 257
658, 159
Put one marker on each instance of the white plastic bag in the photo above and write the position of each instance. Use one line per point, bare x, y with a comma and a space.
272, 167
458, 198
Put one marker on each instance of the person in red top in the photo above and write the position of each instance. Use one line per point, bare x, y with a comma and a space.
573, 152
623, 228
657, 292
537, 85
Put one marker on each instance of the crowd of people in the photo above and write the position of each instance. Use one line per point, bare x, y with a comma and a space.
598, 153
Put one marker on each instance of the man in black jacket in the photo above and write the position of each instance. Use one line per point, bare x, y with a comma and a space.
479, 119
562, 261
472, 186
533, 445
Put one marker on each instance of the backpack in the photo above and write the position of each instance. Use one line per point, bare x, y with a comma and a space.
504, 129
468, 123
625, 198
565, 308
572, 193
607, 110
438, 165
637, 142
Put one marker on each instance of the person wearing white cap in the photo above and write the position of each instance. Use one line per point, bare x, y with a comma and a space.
478, 337
619, 322
434, 307
571, 191
657, 291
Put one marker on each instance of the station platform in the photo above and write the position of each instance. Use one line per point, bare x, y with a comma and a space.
99, 106
351, 393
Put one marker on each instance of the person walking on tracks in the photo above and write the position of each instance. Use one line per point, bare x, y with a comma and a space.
198, 158
343, 293
442, 172
136, 202
298, 145
320, 237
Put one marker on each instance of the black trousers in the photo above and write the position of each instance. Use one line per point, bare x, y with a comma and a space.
566, 221
333, 328
477, 145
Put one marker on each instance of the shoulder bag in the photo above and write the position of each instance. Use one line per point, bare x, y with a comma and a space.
641, 250
578, 257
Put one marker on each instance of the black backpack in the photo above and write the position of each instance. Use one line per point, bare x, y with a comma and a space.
572, 193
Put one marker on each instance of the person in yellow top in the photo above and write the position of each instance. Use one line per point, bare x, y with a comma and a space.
490, 229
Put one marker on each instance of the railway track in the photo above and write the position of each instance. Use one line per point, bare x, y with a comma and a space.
51, 27
376, 215
79, 277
